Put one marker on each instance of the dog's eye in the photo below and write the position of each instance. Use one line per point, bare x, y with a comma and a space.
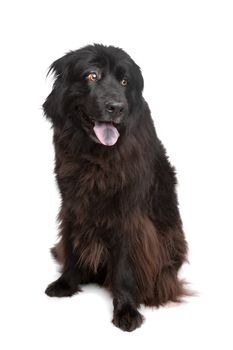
124, 82
92, 76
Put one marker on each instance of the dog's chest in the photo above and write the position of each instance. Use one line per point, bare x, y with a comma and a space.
101, 190
91, 186
91, 176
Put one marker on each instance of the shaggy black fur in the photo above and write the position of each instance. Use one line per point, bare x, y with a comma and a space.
119, 219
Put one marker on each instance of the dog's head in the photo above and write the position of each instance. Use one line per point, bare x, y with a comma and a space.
98, 89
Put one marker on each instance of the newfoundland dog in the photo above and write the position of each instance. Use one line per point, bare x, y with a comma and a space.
119, 219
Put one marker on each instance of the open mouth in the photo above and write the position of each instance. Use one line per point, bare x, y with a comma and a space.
104, 132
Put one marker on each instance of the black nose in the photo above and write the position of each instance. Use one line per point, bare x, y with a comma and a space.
115, 108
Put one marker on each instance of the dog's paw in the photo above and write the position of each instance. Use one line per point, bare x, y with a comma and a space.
127, 318
60, 288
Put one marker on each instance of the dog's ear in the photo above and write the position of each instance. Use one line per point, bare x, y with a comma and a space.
53, 105
59, 68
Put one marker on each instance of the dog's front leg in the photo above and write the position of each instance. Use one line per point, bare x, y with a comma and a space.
125, 293
67, 284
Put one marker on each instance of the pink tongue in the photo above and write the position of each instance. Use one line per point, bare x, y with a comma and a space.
106, 133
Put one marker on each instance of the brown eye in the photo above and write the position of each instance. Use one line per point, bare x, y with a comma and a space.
92, 77
124, 82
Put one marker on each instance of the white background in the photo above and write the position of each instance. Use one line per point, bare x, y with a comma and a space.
185, 50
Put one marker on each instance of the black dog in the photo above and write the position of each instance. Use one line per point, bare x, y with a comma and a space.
120, 223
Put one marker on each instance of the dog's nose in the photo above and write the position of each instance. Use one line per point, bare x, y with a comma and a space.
115, 108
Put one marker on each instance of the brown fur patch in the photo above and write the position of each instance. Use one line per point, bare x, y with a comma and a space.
144, 253
155, 257
92, 256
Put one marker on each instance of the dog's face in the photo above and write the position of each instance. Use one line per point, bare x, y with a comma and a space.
99, 89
